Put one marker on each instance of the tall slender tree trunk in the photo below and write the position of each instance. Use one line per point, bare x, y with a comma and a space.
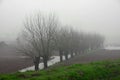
36, 63
61, 54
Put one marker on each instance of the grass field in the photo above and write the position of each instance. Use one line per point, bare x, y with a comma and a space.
102, 70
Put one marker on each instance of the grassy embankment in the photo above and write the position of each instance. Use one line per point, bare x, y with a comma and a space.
104, 70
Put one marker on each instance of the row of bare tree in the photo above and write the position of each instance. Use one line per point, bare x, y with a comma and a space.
72, 42
44, 35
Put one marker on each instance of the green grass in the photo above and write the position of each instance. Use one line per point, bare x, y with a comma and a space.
104, 70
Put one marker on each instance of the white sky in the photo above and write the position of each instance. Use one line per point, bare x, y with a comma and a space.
102, 16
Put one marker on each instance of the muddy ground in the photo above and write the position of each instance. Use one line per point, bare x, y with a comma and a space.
98, 55
9, 64
13, 64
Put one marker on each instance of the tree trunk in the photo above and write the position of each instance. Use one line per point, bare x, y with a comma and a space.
61, 54
76, 53
36, 66
45, 59
71, 54
66, 55
36, 63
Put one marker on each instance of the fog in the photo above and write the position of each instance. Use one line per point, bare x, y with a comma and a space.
101, 16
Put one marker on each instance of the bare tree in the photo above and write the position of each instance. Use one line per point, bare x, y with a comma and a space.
39, 35
63, 41
59, 43
95, 41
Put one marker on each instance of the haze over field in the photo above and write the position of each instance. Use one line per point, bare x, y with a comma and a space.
36, 34
102, 16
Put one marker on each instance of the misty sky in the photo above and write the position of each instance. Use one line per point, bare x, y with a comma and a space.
102, 16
